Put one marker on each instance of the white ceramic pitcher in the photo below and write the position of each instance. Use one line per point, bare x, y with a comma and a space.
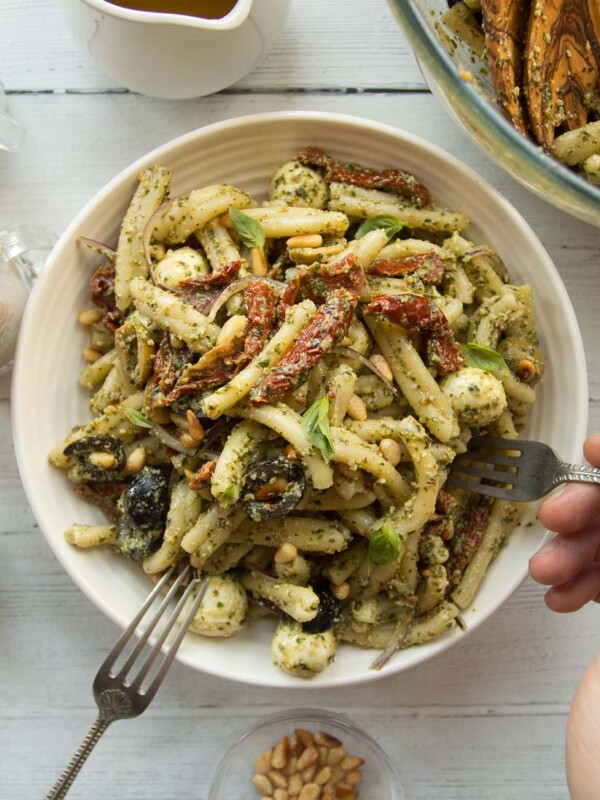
172, 55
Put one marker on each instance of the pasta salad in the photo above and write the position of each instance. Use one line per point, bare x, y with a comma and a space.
278, 391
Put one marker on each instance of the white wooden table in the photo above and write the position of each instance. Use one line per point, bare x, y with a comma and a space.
485, 721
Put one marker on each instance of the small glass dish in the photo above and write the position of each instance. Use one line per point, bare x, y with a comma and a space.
233, 776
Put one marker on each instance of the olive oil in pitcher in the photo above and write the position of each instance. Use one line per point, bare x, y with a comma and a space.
207, 9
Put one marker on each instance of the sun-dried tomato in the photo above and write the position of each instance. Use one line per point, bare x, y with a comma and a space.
318, 280
288, 297
202, 292
468, 533
104, 495
429, 265
261, 308
417, 313
323, 331
388, 180
102, 285
168, 365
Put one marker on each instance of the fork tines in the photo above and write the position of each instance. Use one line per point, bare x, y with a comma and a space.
112, 676
479, 464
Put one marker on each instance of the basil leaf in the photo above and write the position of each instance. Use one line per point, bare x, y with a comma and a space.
137, 418
384, 545
251, 232
482, 357
315, 424
390, 224
228, 496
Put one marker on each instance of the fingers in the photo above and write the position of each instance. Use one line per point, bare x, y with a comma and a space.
562, 559
573, 595
591, 449
571, 509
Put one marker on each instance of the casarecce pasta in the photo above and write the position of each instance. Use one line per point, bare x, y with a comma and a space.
279, 390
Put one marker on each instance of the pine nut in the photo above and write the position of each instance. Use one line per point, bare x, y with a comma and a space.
357, 409
337, 776
310, 791
309, 757
277, 779
308, 774
281, 753
135, 461
295, 745
305, 737
294, 785
280, 794
225, 220
195, 429
285, 553
291, 453
263, 762
307, 240
291, 766
258, 263
354, 777
102, 460
391, 451
336, 755
328, 793
188, 441
345, 792
342, 592
175, 342
232, 329
351, 763
326, 739
91, 355
525, 370
89, 316
180, 420
323, 753
323, 776
382, 365
262, 784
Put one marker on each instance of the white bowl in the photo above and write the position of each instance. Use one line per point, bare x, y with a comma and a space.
47, 400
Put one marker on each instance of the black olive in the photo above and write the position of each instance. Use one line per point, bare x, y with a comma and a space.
272, 488
146, 499
328, 613
137, 543
85, 470
144, 505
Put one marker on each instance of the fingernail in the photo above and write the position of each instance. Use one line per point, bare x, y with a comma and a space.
546, 549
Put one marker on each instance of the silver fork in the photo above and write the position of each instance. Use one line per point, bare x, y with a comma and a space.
116, 696
520, 470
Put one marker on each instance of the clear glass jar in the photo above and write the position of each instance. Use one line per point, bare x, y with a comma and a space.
23, 253
11, 133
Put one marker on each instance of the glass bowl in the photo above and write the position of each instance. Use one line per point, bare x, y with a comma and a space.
233, 776
462, 84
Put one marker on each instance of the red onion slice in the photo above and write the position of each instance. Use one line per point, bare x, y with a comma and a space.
149, 230
350, 352
238, 286
171, 441
99, 247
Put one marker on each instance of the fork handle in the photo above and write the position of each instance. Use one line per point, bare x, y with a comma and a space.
577, 473
63, 784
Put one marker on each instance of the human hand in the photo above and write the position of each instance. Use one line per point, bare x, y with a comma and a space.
570, 563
